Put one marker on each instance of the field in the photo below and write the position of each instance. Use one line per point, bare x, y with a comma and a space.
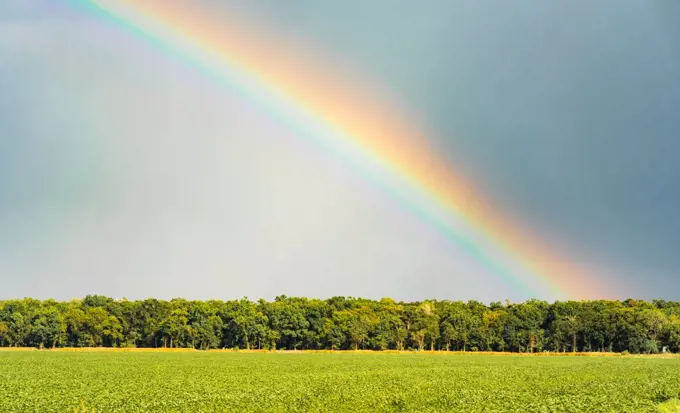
107, 381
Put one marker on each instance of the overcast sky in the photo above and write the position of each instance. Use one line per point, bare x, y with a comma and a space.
124, 171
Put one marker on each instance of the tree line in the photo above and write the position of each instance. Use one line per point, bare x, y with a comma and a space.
344, 323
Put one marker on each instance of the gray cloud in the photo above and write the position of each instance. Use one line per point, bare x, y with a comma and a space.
125, 172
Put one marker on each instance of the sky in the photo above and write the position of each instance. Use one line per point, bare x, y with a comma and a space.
129, 172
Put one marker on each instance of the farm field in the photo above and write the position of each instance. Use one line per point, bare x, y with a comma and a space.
108, 381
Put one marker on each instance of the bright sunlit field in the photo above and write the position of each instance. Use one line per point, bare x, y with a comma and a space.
46, 381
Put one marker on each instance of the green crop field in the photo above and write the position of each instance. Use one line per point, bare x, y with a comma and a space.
57, 381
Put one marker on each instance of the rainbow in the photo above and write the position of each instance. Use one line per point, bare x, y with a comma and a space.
348, 119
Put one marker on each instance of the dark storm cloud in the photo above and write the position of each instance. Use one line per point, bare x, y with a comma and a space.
565, 113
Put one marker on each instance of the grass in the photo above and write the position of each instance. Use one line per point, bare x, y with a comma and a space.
670, 406
105, 381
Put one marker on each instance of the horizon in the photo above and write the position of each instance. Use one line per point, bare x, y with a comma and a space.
504, 302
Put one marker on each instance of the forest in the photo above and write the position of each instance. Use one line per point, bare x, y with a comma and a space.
297, 323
